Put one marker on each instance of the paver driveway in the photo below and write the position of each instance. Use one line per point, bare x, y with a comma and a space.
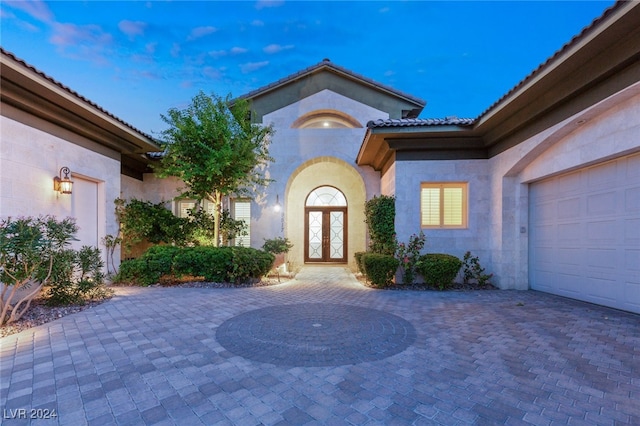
156, 356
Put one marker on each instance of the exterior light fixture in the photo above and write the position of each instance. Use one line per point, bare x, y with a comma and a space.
277, 207
63, 185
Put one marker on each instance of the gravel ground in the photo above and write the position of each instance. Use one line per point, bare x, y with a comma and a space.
39, 313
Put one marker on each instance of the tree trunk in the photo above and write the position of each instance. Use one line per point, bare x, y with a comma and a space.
217, 202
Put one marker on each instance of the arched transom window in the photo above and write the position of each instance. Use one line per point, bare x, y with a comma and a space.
326, 119
326, 196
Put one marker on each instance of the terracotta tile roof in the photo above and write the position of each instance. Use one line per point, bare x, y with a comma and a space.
421, 122
72, 92
327, 64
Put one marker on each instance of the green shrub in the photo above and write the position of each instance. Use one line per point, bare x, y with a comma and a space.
277, 245
248, 263
380, 214
216, 264
439, 269
473, 271
358, 256
379, 268
135, 271
148, 268
211, 263
75, 277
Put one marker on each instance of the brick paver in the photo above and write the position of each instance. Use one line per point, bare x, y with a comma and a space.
153, 356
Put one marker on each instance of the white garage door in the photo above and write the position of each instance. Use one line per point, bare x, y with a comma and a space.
585, 234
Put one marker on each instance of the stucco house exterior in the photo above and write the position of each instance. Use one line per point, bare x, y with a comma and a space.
45, 127
544, 186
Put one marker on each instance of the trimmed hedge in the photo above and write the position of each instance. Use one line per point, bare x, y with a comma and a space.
208, 262
358, 256
217, 264
379, 268
439, 269
248, 264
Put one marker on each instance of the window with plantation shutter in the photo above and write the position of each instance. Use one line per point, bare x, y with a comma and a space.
184, 206
443, 205
242, 211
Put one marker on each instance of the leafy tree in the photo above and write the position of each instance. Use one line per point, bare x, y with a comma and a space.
213, 147
29, 249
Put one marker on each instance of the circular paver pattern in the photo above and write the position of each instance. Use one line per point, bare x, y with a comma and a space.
315, 334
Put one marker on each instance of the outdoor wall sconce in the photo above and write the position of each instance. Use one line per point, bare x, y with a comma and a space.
63, 185
277, 207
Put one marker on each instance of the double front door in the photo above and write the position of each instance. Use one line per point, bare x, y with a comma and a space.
325, 234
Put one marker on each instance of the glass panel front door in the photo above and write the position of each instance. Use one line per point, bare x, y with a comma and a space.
315, 235
336, 235
325, 234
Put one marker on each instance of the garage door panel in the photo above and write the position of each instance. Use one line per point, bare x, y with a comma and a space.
601, 290
632, 232
585, 234
604, 175
545, 235
602, 232
569, 285
569, 234
601, 204
569, 208
567, 256
632, 200
632, 263
629, 296
569, 185
632, 167
601, 258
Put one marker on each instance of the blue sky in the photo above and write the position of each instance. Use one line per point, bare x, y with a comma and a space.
137, 59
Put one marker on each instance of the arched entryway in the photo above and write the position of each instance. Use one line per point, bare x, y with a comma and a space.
325, 226
316, 173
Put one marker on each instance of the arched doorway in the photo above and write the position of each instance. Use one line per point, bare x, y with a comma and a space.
325, 226
310, 175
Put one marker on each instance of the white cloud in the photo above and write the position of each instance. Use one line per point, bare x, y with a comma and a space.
73, 35
252, 66
257, 23
36, 8
212, 73
238, 50
132, 28
151, 47
262, 4
198, 32
383, 10
275, 48
175, 50
389, 73
217, 53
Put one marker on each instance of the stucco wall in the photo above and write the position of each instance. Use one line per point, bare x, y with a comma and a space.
408, 177
292, 148
30, 158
